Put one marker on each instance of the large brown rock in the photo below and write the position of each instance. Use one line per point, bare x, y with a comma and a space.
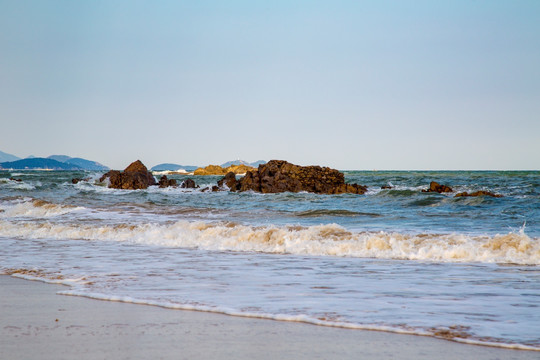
135, 176
280, 176
438, 188
218, 170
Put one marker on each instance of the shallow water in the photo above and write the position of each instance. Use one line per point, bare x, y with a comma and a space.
400, 260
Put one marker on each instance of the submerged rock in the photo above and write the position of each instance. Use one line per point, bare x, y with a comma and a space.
478, 193
280, 176
135, 176
438, 188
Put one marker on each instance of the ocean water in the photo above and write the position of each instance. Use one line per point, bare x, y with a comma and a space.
463, 269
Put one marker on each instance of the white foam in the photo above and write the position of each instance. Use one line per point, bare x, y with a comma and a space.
35, 209
321, 240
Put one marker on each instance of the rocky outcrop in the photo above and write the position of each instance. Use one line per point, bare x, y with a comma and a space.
189, 184
438, 188
166, 182
478, 193
218, 170
135, 176
280, 176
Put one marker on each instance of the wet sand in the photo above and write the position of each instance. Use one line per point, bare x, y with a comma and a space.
36, 323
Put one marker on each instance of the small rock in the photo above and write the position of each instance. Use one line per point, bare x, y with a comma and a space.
438, 188
478, 193
229, 180
165, 182
189, 184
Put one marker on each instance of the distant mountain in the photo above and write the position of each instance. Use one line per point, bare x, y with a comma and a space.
86, 164
38, 163
8, 157
257, 163
173, 167
80, 162
242, 162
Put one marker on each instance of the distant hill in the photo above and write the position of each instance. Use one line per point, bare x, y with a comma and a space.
173, 167
53, 162
8, 157
38, 163
257, 163
61, 158
86, 164
80, 162
242, 162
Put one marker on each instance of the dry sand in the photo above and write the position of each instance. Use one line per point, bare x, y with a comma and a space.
36, 323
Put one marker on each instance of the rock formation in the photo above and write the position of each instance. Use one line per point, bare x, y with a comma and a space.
218, 170
135, 176
438, 188
478, 193
281, 176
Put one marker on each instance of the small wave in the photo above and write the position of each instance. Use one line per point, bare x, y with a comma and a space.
34, 209
398, 192
321, 240
454, 333
324, 212
18, 185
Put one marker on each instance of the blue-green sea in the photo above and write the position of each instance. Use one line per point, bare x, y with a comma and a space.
461, 268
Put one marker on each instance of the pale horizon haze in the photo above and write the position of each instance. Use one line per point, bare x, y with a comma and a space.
395, 85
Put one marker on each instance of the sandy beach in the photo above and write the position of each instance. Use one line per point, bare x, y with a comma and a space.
36, 323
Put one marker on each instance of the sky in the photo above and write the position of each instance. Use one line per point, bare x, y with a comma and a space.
347, 84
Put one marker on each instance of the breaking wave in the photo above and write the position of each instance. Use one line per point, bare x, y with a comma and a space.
34, 209
321, 240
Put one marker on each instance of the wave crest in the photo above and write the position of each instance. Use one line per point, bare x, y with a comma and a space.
321, 240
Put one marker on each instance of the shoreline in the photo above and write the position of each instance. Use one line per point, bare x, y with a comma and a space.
36, 322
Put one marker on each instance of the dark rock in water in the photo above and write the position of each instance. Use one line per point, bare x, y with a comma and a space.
280, 176
478, 193
165, 182
215, 188
438, 188
189, 184
386, 187
76, 180
13, 179
135, 176
229, 180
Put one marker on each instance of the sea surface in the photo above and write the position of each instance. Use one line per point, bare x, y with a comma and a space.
465, 269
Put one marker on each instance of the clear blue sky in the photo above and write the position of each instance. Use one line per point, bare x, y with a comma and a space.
346, 84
